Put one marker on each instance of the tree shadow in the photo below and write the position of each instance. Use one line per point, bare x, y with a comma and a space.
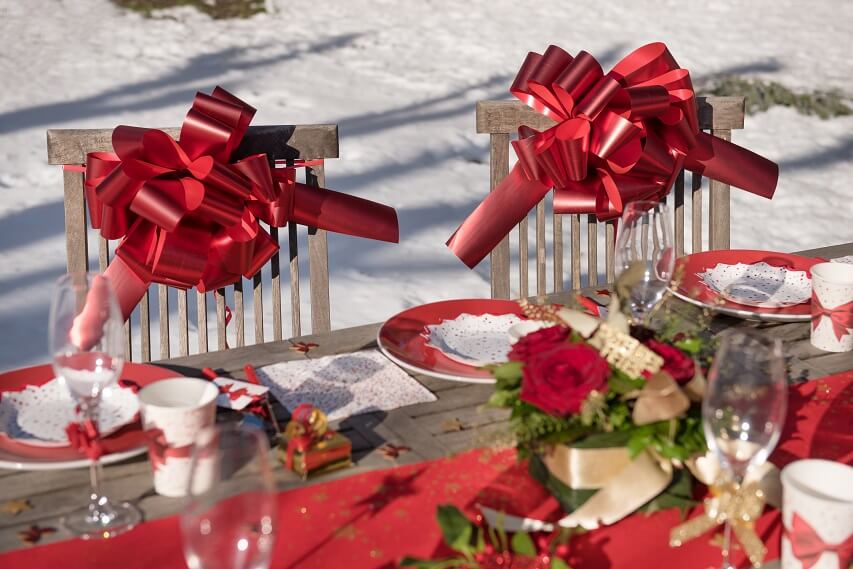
177, 86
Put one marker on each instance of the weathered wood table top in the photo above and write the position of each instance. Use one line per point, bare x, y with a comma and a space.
455, 422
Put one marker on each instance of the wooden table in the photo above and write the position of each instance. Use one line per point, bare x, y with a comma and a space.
456, 421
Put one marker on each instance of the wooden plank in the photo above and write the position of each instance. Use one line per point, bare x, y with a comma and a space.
201, 308
76, 240
696, 211
103, 254
558, 252
507, 116
183, 323
678, 203
145, 327
523, 259
592, 249
163, 292
275, 270
318, 263
541, 287
832, 252
239, 314
576, 252
719, 224
279, 142
609, 251
221, 326
258, 307
499, 257
295, 307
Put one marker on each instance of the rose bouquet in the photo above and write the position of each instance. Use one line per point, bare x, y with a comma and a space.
609, 415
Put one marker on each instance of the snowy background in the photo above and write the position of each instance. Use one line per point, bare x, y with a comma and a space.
401, 79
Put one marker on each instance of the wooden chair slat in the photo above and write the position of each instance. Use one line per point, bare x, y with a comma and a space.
719, 214
163, 301
183, 324
238, 315
318, 263
541, 285
678, 213
696, 211
201, 307
221, 329
609, 251
293, 247
258, 307
499, 257
592, 249
76, 239
523, 259
275, 270
103, 254
576, 252
145, 327
558, 253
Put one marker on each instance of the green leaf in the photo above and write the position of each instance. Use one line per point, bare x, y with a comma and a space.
522, 544
508, 375
604, 440
557, 563
503, 398
455, 527
621, 383
569, 498
430, 563
690, 345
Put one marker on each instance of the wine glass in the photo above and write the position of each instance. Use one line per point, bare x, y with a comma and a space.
230, 520
645, 257
86, 342
743, 411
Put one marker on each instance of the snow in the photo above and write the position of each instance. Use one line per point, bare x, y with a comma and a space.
401, 80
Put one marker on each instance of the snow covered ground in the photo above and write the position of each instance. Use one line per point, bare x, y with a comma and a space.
401, 79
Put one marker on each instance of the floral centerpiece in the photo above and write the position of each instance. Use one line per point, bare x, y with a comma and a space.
608, 414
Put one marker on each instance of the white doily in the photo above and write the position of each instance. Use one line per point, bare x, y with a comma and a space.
759, 284
344, 385
474, 340
39, 414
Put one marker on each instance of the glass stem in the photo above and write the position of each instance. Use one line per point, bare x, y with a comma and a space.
90, 409
727, 543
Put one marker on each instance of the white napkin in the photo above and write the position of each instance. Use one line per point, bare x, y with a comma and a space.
344, 385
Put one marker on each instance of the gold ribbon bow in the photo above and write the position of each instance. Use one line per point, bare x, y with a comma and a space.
740, 505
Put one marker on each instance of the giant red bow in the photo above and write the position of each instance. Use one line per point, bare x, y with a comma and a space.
841, 316
619, 137
187, 217
808, 546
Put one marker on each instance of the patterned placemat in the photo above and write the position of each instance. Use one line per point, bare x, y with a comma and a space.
344, 385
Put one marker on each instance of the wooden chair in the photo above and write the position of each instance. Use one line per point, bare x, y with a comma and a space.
283, 143
501, 119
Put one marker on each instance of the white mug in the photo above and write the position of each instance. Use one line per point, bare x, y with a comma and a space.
819, 494
832, 289
173, 412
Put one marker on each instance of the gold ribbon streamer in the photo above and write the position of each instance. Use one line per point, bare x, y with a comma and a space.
738, 504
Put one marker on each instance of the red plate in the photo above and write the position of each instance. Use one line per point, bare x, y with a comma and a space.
121, 442
401, 340
693, 290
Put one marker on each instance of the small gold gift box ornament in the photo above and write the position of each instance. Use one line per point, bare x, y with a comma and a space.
310, 447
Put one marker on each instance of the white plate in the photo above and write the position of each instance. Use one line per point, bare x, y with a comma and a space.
744, 314
15, 462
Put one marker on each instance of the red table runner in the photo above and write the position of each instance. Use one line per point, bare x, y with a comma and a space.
372, 520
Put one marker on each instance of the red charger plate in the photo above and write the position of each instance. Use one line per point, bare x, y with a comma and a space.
127, 441
401, 337
693, 290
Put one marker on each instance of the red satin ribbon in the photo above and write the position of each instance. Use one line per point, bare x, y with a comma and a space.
159, 451
302, 444
841, 316
808, 547
85, 439
189, 218
619, 137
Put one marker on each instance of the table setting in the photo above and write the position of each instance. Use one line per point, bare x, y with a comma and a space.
695, 412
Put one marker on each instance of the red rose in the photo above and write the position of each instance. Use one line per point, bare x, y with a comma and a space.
559, 380
537, 342
675, 362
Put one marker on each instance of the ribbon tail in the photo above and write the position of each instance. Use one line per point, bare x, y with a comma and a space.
343, 213
128, 286
751, 543
732, 164
496, 215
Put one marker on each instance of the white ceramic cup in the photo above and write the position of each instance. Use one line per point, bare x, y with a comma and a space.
179, 409
832, 286
820, 492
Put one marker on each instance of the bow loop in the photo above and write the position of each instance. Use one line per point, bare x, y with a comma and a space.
808, 547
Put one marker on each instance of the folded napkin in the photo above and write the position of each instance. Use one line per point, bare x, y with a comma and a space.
344, 385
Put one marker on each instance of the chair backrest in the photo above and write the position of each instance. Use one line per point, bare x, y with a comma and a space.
281, 143
501, 119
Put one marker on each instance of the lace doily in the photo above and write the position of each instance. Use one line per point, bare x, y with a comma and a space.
344, 385
39, 414
474, 340
759, 284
